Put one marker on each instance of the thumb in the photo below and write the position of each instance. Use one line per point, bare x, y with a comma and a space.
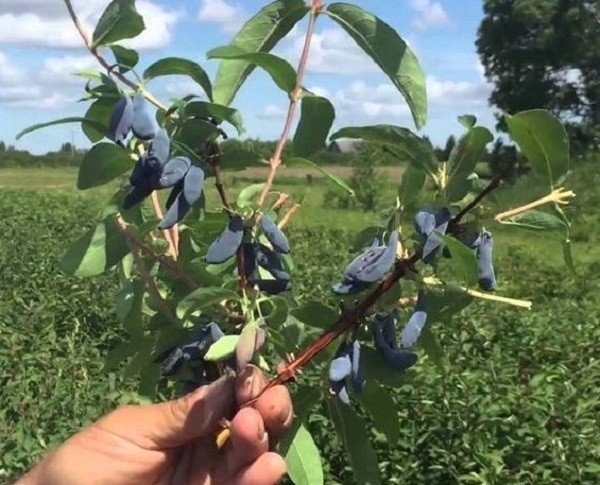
174, 423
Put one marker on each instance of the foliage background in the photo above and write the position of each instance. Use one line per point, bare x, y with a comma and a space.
518, 402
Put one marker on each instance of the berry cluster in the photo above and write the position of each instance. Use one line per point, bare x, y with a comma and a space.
154, 171
372, 266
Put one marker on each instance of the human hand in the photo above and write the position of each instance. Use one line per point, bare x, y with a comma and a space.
174, 442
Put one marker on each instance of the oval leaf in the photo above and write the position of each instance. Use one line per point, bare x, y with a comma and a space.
203, 298
535, 220
465, 155
98, 250
544, 142
103, 163
464, 261
280, 70
303, 459
315, 122
383, 44
259, 34
410, 147
179, 66
119, 21
303, 162
89, 121
351, 429
223, 348
218, 111
126, 58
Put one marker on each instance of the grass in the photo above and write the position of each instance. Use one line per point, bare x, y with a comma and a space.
517, 402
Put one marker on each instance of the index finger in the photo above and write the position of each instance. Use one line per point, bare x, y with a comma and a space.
274, 405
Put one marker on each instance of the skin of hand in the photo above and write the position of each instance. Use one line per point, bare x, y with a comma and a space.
174, 442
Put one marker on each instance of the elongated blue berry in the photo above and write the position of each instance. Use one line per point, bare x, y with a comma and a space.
227, 243
160, 148
371, 266
177, 210
384, 336
144, 124
427, 223
358, 376
174, 172
271, 261
121, 120
276, 237
485, 264
193, 184
272, 287
412, 330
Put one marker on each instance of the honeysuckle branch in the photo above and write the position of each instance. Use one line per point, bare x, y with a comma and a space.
283, 198
153, 291
171, 266
559, 196
288, 215
351, 318
295, 95
431, 281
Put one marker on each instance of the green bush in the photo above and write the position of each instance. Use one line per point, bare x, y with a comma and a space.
520, 405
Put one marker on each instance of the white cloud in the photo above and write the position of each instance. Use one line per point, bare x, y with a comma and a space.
32, 22
51, 86
428, 14
360, 100
272, 112
451, 92
228, 17
332, 52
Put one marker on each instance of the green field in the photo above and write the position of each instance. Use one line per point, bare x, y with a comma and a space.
517, 402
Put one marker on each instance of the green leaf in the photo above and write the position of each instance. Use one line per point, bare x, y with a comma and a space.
195, 133
89, 121
468, 121
465, 155
568, 255
129, 306
280, 70
149, 377
418, 151
380, 405
351, 429
248, 195
383, 44
428, 342
204, 298
441, 304
376, 368
223, 348
544, 142
259, 34
413, 181
119, 21
119, 354
126, 58
218, 111
98, 250
303, 460
303, 162
179, 66
464, 261
316, 314
536, 220
103, 163
100, 111
276, 312
315, 122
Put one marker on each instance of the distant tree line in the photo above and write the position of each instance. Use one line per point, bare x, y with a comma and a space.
250, 152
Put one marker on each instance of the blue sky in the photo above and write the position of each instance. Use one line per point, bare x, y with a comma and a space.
39, 51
